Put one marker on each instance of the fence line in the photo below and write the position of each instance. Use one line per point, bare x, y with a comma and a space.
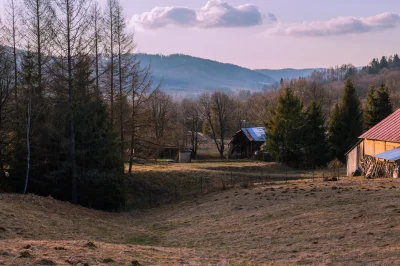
173, 189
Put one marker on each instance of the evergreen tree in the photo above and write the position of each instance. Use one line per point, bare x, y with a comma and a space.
374, 68
369, 111
390, 62
383, 63
346, 123
284, 128
315, 141
396, 61
97, 156
336, 132
378, 105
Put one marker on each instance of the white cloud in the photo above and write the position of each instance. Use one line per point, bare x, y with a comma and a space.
215, 14
338, 26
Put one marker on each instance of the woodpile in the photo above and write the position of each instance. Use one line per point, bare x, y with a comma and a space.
334, 164
373, 167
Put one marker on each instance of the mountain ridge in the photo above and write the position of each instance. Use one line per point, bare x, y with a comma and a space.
185, 75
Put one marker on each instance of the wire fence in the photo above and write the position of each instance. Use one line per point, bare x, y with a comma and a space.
149, 192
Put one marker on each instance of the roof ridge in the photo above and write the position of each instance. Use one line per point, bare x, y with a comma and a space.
386, 130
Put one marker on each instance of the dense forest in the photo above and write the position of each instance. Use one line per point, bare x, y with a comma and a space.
77, 109
72, 100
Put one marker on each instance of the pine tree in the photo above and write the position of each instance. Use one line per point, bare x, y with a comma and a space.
346, 123
378, 105
385, 107
369, 111
284, 128
69, 42
383, 63
396, 61
336, 132
315, 141
374, 68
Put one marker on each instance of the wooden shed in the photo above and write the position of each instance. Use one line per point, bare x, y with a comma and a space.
246, 142
383, 137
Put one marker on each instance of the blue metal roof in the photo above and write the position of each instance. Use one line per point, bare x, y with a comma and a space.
255, 134
390, 155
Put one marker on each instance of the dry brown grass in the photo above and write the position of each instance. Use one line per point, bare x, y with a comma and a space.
350, 222
165, 182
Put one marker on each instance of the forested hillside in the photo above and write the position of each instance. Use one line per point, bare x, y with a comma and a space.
287, 73
184, 75
386, 69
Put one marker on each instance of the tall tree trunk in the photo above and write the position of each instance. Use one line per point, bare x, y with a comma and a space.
120, 88
15, 56
39, 46
196, 143
112, 63
96, 39
28, 142
133, 133
74, 195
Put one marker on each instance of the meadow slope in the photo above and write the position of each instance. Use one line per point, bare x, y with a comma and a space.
353, 222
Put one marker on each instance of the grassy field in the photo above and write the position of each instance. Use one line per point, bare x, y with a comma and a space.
168, 182
349, 222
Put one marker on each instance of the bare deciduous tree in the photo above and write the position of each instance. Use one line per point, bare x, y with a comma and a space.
12, 25
126, 62
192, 122
72, 25
141, 84
217, 110
161, 112
39, 17
98, 28
109, 23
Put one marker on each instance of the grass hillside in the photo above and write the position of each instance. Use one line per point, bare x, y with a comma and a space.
352, 221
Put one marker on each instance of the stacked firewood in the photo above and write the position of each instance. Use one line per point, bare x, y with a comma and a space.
373, 167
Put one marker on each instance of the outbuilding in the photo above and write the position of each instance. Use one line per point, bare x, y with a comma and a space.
247, 141
375, 144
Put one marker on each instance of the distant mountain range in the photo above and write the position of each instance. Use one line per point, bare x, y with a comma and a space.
184, 75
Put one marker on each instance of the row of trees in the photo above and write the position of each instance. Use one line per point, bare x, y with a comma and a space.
296, 133
349, 71
302, 134
75, 104
306, 123
376, 65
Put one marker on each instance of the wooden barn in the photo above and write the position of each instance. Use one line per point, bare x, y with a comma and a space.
379, 144
246, 142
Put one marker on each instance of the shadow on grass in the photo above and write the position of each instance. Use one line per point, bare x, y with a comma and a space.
148, 240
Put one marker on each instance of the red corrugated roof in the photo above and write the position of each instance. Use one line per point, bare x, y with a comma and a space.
387, 130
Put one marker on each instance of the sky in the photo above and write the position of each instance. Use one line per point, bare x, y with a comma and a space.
267, 33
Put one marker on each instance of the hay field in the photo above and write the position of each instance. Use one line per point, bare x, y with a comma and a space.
349, 222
